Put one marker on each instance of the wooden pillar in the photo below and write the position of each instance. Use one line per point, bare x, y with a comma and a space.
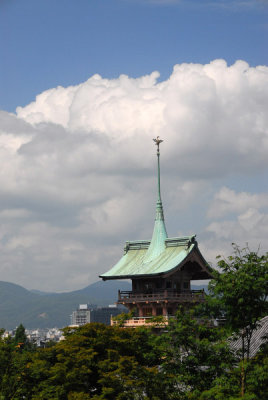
154, 310
140, 310
165, 309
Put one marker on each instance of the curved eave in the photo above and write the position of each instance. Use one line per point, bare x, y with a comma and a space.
195, 261
172, 259
208, 268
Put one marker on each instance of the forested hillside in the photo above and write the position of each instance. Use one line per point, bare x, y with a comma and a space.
46, 310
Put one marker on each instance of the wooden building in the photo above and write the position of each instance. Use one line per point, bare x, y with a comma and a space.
161, 270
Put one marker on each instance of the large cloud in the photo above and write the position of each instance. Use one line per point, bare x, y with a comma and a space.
200, 108
239, 217
78, 175
227, 201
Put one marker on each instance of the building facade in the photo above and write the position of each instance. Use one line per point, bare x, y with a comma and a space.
82, 315
85, 314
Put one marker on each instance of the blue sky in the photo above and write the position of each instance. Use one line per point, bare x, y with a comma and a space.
84, 87
46, 43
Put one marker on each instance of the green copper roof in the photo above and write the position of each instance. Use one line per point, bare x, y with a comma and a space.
136, 261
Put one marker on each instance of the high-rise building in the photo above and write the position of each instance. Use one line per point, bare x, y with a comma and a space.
105, 314
87, 313
82, 315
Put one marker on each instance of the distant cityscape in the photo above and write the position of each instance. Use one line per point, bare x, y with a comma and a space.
84, 314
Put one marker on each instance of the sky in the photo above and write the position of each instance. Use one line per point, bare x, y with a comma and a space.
84, 88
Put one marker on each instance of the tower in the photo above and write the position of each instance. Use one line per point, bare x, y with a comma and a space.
161, 269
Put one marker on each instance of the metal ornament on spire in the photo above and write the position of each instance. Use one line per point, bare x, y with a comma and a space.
157, 142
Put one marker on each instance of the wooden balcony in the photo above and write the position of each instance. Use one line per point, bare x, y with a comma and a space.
189, 296
135, 322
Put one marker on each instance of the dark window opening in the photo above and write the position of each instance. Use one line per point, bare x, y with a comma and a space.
147, 311
148, 287
158, 284
159, 311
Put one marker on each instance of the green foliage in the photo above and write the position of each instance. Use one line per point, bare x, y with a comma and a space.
13, 361
20, 335
257, 374
195, 353
241, 288
98, 362
120, 319
189, 361
21, 341
228, 387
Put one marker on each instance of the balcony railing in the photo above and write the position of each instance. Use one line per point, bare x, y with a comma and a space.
135, 322
126, 297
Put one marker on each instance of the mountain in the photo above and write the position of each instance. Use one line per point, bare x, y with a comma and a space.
35, 309
46, 310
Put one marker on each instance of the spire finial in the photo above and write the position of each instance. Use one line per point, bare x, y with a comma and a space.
157, 142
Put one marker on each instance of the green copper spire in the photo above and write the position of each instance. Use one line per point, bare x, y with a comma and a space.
157, 245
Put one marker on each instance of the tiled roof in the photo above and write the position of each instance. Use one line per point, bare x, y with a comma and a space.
258, 338
136, 263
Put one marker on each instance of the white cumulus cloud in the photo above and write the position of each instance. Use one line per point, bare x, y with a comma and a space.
238, 217
201, 109
227, 201
78, 173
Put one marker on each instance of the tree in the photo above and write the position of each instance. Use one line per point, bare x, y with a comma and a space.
257, 379
97, 362
20, 338
227, 387
195, 353
13, 362
241, 289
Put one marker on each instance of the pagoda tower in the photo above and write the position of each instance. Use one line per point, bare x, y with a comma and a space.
161, 269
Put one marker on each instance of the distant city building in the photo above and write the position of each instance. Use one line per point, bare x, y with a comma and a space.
86, 314
82, 315
40, 337
104, 314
